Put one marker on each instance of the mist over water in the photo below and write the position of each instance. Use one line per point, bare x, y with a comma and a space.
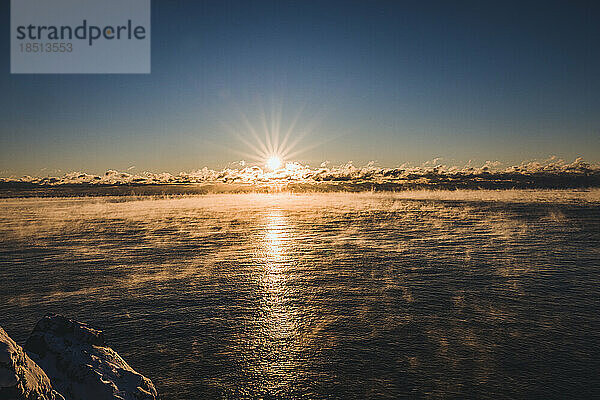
334, 295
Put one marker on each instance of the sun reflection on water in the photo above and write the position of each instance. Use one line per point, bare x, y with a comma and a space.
277, 238
277, 322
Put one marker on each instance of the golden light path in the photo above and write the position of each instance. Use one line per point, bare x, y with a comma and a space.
278, 322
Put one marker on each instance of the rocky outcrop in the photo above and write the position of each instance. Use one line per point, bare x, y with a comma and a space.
81, 366
20, 377
67, 360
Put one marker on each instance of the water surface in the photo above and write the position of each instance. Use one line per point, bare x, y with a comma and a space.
490, 294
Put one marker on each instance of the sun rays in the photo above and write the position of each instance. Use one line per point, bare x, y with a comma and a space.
272, 141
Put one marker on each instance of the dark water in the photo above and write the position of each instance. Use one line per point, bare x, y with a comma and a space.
322, 296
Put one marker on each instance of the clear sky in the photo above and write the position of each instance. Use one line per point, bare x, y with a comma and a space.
389, 81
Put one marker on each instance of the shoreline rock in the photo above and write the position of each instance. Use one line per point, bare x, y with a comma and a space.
20, 377
71, 361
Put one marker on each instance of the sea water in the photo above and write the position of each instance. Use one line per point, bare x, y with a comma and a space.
321, 296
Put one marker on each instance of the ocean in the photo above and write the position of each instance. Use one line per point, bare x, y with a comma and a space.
418, 294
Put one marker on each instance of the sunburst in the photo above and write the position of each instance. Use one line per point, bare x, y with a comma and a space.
272, 143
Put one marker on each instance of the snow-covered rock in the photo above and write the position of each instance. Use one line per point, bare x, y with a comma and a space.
81, 366
20, 377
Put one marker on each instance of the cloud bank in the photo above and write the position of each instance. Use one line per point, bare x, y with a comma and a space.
550, 173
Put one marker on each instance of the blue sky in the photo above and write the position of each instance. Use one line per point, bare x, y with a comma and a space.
388, 81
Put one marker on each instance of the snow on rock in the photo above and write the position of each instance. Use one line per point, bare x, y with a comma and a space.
80, 364
20, 377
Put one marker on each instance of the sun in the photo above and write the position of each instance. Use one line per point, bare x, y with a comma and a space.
274, 163
272, 141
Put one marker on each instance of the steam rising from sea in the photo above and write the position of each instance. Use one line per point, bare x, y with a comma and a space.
409, 294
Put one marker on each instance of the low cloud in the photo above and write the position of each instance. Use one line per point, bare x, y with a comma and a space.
552, 172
